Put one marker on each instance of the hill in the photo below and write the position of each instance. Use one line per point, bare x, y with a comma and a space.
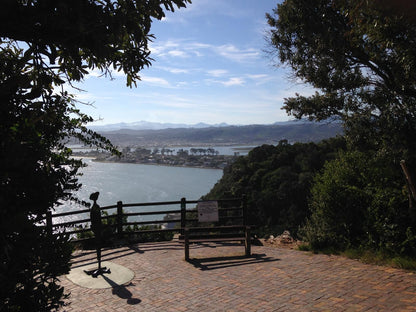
277, 181
226, 135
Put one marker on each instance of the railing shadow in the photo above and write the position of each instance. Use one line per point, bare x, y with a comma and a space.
155, 246
89, 256
215, 263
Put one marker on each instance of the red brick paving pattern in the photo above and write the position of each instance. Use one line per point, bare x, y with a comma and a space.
222, 280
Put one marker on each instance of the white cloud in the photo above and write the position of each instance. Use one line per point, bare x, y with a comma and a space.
260, 79
217, 72
199, 45
199, 49
172, 70
155, 81
162, 48
233, 53
178, 53
258, 76
236, 81
177, 70
170, 48
182, 84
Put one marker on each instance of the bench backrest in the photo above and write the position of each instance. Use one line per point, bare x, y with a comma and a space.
217, 213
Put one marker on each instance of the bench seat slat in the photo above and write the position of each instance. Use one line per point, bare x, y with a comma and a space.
216, 239
215, 228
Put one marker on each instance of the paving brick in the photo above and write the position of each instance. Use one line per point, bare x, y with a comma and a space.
220, 279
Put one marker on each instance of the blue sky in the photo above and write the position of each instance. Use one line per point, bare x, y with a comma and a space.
209, 66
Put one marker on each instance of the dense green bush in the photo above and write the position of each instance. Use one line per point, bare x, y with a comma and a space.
358, 201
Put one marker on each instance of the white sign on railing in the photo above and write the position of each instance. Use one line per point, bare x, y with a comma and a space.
208, 211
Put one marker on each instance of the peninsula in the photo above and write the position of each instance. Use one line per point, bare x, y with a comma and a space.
195, 157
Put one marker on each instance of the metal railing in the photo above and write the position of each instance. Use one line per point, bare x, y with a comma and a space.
230, 210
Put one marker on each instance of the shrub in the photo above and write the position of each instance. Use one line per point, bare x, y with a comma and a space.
358, 201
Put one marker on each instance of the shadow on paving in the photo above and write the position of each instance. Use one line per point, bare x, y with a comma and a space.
230, 261
106, 256
141, 248
121, 291
90, 256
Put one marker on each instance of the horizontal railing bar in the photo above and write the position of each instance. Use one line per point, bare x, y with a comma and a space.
78, 231
69, 213
138, 213
146, 222
71, 222
74, 227
130, 214
108, 207
152, 204
142, 222
176, 202
215, 228
151, 222
142, 205
153, 231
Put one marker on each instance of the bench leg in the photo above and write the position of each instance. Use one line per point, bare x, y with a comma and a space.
248, 242
186, 233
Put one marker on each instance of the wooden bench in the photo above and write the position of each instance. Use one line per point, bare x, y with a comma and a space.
218, 221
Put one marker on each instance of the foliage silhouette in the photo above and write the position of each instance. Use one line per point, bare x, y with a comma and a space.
360, 55
46, 45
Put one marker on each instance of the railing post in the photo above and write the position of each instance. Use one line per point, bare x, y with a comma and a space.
186, 244
49, 223
183, 214
248, 241
119, 218
244, 203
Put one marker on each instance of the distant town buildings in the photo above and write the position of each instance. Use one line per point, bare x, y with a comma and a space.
194, 157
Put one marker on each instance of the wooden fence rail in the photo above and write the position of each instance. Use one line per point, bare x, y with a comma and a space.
232, 209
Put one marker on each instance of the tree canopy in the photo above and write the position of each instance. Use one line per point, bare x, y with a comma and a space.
361, 56
44, 45
86, 34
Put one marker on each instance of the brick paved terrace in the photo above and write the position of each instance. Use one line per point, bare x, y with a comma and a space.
219, 278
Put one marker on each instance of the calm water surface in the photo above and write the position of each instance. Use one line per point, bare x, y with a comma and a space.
135, 183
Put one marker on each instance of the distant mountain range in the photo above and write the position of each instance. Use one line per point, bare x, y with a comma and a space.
156, 134
147, 125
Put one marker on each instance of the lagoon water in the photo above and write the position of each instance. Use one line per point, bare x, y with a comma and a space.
135, 183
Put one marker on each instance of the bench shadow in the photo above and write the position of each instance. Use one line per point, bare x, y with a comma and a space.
215, 263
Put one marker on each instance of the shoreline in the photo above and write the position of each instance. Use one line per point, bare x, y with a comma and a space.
194, 158
150, 164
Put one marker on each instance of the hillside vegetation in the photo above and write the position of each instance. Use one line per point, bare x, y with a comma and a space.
277, 181
324, 193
